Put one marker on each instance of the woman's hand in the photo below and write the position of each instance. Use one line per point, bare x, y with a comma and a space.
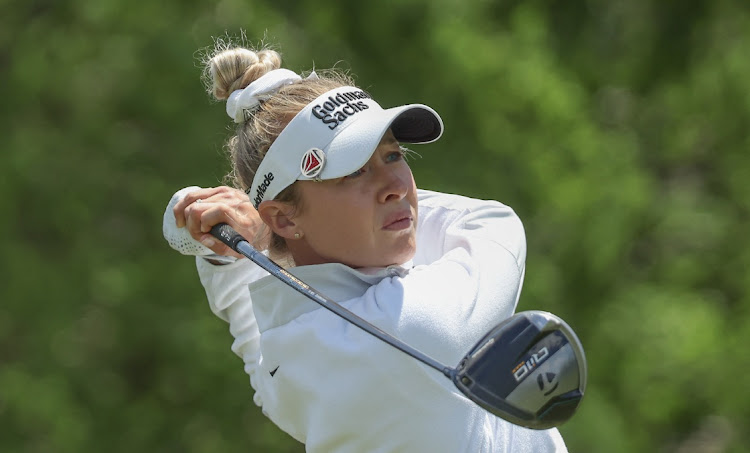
201, 209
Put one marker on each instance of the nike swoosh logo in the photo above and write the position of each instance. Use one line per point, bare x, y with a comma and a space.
273, 371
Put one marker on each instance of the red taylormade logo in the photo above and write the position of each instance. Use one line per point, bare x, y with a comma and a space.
312, 162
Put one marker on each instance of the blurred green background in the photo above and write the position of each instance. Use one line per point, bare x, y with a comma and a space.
618, 130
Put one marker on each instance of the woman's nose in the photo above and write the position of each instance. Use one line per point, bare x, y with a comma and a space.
395, 184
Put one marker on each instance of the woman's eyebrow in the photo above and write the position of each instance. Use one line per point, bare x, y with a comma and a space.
389, 141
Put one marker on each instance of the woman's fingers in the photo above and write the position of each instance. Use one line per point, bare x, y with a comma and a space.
217, 246
215, 214
189, 199
201, 217
203, 209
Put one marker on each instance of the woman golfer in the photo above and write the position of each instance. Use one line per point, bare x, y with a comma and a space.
321, 183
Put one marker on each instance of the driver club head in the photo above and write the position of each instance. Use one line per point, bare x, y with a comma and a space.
529, 370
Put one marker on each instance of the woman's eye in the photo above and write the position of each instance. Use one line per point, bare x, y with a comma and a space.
390, 157
395, 156
356, 173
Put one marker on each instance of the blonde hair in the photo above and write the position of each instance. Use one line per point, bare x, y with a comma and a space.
228, 68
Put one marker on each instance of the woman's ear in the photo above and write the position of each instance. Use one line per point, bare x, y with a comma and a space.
278, 216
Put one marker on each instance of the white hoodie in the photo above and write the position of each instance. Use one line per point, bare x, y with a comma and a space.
336, 388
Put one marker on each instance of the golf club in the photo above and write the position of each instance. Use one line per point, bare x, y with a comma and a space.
529, 370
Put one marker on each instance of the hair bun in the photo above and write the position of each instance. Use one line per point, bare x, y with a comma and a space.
233, 69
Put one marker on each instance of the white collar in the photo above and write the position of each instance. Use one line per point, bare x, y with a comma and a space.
276, 304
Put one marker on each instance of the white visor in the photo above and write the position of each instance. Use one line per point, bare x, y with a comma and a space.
334, 136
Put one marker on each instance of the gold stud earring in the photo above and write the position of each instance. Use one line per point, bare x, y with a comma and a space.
297, 235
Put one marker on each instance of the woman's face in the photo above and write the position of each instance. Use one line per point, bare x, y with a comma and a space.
366, 219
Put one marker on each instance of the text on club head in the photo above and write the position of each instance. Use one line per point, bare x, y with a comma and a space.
524, 368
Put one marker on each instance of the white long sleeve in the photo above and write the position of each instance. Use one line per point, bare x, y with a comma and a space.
229, 299
450, 221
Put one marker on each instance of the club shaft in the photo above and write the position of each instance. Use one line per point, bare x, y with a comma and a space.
306, 290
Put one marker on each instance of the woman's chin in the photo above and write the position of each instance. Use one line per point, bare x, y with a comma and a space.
401, 256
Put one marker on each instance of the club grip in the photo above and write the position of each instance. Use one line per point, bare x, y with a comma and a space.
227, 235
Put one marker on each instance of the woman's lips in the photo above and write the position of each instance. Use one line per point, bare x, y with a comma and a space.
398, 221
399, 225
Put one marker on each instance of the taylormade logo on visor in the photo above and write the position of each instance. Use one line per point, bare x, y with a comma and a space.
338, 108
262, 187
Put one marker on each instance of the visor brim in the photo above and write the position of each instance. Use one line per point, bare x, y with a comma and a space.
353, 146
